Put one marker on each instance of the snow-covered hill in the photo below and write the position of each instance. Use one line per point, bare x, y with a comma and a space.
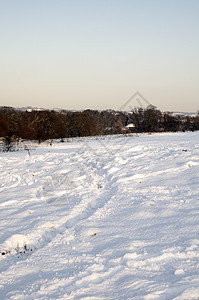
113, 218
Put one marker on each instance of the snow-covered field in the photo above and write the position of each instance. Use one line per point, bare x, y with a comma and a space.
113, 218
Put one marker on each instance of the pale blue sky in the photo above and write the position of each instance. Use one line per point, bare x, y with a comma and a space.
78, 54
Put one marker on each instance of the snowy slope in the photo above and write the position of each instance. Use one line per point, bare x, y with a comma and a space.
113, 218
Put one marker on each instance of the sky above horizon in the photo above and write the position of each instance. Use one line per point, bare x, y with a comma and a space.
79, 54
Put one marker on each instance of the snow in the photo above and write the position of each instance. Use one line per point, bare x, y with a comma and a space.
107, 218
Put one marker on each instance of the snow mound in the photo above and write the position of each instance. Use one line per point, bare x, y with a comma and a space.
17, 243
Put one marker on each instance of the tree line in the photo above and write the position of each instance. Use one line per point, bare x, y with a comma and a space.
50, 124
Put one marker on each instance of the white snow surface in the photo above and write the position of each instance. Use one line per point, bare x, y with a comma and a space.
107, 218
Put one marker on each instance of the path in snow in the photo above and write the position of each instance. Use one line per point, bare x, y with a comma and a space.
115, 218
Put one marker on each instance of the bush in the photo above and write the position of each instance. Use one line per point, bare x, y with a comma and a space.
9, 143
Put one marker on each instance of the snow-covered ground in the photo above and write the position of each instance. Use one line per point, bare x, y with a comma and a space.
113, 218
